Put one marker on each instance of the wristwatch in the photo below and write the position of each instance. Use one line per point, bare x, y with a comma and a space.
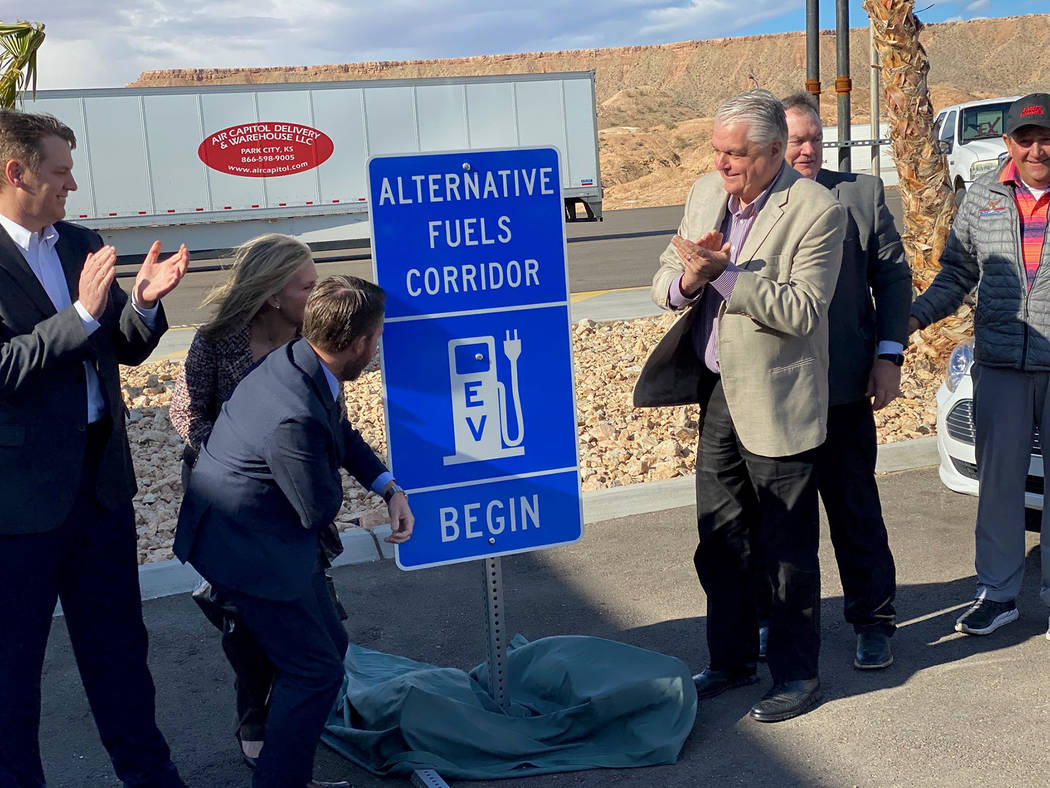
392, 488
896, 358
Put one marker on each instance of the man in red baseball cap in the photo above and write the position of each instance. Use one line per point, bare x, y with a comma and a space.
1011, 371
1027, 136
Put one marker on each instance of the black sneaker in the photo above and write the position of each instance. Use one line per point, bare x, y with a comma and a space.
985, 616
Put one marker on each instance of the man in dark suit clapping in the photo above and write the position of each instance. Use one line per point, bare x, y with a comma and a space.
867, 329
265, 486
67, 527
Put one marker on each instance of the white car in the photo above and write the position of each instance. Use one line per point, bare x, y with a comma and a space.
955, 436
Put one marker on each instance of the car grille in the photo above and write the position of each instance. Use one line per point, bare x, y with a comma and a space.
1032, 484
959, 422
967, 469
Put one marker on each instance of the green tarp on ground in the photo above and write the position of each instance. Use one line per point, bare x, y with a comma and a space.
576, 703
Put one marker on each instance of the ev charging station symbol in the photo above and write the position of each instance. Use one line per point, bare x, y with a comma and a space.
479, 400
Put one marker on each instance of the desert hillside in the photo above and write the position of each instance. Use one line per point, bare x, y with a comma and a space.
655, 102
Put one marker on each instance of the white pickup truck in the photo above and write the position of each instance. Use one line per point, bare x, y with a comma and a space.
971, 135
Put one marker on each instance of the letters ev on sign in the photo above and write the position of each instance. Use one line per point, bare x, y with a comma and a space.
477, 360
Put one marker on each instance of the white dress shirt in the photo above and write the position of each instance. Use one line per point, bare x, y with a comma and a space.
38, 249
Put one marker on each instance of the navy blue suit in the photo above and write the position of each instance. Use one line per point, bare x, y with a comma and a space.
67, 527
265, 485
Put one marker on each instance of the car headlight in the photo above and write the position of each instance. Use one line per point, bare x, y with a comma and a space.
959, 363
982, 166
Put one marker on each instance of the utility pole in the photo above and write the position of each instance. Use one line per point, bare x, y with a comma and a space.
876, 131
843, 84
813, 48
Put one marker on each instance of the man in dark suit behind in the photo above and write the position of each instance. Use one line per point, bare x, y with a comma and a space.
265, 487
866, 345
67, 527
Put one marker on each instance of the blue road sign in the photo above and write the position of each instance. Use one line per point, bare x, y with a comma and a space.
477, 359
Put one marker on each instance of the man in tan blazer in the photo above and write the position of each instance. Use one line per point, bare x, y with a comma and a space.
752, 270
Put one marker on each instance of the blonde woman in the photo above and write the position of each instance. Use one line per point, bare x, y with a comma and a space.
260, 308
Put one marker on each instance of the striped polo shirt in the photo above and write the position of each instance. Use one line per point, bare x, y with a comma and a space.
1033, 213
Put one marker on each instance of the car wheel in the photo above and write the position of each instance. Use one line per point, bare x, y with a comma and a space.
960, 192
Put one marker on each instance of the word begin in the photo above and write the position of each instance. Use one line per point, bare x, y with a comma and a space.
460, 187
515, 515
468, 232
470, 278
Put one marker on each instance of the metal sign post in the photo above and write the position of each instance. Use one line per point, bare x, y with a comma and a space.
497, 633
427, 778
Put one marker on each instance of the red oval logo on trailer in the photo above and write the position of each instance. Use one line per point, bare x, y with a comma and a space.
266, 149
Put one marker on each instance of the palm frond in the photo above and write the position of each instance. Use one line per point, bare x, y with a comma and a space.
19, 43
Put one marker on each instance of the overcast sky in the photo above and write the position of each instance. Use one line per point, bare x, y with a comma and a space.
107, 44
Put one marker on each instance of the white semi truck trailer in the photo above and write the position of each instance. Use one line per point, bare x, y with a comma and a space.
213, 166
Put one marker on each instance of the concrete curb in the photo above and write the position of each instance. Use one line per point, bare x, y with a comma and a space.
907, 455
166, 578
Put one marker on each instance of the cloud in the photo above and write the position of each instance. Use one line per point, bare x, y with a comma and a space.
977, 5
114, 42
704, 19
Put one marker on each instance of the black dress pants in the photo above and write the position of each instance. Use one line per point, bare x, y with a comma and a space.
757, 519
846, 480
305, 642
252, 670
90, 562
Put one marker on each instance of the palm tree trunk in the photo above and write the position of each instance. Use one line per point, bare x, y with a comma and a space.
927, 198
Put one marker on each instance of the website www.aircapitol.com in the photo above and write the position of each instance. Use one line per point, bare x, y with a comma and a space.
270, 170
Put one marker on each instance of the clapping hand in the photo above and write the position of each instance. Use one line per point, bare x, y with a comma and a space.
96, 277
705, 259
159, 277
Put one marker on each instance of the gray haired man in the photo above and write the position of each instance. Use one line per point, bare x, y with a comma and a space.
867, 328
752, 270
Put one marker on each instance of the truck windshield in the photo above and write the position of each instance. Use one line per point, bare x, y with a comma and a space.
983, 122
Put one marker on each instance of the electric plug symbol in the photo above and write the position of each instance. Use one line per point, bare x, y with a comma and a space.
512, 346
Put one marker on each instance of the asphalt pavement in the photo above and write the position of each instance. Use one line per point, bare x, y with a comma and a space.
952, 710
